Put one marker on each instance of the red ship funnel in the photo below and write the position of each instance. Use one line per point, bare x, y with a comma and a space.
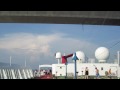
64, 58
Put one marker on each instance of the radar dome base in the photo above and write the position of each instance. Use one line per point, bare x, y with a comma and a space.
102, 61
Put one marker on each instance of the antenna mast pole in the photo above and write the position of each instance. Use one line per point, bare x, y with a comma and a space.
25, 61
10, 60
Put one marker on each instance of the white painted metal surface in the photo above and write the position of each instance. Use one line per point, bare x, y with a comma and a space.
103, 67
20, 76
4, 74
13, 74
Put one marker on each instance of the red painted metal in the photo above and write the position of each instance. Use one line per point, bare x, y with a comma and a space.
64, 58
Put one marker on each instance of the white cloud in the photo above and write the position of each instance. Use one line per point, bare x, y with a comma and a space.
27, 42
44, 46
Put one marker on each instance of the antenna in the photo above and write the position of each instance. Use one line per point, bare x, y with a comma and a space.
58, 57
58, 60
25, 61
10, 60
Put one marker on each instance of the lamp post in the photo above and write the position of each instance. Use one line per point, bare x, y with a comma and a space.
66, 70
118, 63
75, 65
75, 70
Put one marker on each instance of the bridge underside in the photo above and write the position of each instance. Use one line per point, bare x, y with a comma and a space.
58, 17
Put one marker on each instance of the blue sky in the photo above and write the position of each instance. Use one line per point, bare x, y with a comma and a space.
38, 42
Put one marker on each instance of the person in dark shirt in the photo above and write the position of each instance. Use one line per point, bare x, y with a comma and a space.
86, 73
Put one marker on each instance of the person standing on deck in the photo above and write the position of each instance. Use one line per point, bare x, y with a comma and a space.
97, 73
109, 73
86, 72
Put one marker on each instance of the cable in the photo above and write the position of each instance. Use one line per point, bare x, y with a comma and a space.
105, 18
114, 44
82, 27
111, 47
103, 24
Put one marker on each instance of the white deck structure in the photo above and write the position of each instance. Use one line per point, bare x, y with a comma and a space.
60, 69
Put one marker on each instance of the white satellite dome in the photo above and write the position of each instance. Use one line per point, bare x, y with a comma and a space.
81, 56
58, 55
102, 54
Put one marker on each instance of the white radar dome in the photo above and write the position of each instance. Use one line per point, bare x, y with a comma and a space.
102, 54
81, 56
58, 55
